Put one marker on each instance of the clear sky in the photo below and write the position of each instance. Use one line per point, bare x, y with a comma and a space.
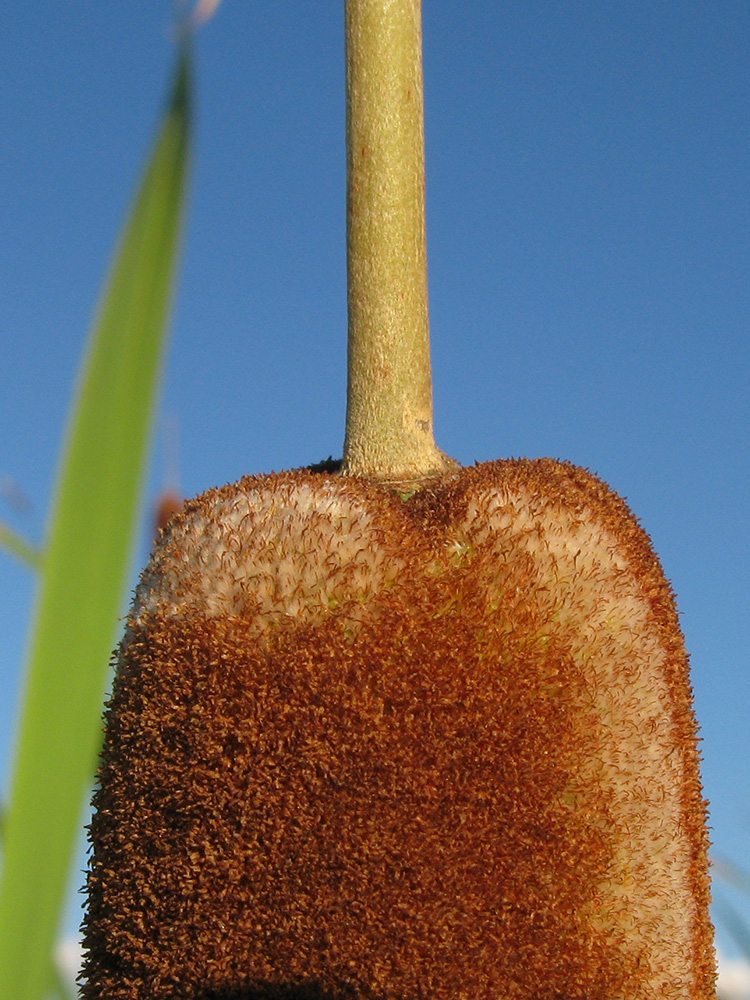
588, 220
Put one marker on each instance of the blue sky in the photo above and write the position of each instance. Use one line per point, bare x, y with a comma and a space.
587, 213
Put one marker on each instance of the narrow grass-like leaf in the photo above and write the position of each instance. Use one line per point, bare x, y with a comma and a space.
19, 547
734, 924
86, 566
732, 874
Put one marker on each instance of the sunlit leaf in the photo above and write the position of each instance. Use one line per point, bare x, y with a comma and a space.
87, 565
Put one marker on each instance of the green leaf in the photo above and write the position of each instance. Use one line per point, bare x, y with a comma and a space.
19, 547
87, 565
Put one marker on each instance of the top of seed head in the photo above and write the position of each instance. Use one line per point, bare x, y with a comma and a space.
292, 552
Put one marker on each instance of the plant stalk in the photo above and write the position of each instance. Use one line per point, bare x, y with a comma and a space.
389, 424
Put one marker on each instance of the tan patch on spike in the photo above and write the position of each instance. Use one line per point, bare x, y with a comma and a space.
593, 602
299, 551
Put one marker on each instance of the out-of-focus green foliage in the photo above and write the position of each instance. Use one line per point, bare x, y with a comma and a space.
85, 569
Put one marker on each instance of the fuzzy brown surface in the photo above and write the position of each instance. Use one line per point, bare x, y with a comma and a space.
401, 797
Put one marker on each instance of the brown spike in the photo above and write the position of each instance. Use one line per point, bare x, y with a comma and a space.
438, 747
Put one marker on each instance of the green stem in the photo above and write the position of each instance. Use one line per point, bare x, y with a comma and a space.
389, 431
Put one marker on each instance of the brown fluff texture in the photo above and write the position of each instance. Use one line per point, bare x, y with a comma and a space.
369, 746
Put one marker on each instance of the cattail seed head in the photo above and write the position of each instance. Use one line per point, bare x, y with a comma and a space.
373, 747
